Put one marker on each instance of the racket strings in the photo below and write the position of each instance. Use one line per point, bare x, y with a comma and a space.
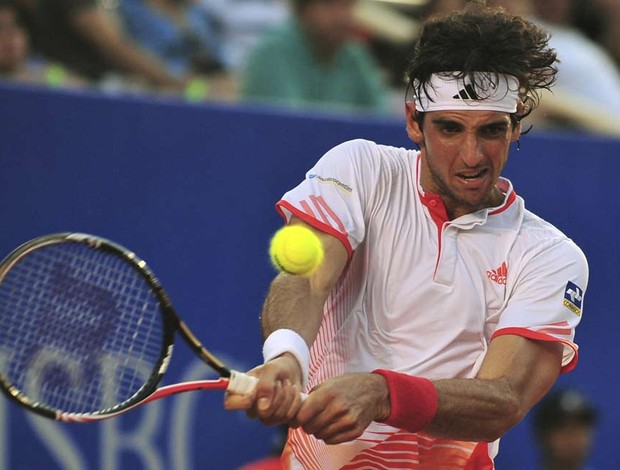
80, 328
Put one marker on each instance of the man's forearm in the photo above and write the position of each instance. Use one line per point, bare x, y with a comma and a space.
293, 311
292, 304
474, 409
515, 374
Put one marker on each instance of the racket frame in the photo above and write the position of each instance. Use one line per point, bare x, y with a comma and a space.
172, 324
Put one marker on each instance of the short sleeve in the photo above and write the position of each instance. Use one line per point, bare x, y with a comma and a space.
334, 194
546, 301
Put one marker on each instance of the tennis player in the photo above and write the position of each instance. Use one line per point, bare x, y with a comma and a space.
444, 309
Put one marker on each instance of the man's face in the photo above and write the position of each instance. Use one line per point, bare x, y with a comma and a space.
569, 443
331, 22
13, 42
462, 155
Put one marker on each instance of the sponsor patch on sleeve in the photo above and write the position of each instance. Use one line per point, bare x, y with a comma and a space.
573, 296
332, 181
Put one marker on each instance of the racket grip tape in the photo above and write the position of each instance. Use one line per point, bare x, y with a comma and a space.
244, 384
241, 383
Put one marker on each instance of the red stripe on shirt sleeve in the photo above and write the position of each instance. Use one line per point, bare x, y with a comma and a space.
307, 209
538, 336
310, 220
320, 201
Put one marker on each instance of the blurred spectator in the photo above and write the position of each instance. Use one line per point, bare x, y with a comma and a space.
440, 7
240, 23
82, 36
391, 30
578, 54
182, 34
314, 59
600, 21
179, 32
587, 92
16, 62
564, 425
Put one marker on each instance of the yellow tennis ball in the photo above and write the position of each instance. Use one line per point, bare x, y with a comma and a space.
296, 250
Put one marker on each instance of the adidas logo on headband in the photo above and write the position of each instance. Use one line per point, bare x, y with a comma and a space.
467, 93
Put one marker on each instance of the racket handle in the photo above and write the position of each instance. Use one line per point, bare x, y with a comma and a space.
244, 384
241, 383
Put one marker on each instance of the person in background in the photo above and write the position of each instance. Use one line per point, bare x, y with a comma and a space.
178, 32
182, 34
315, 60
83, 37
241, 23
564, 426
608, 31
587, 93
16, 62
586, 68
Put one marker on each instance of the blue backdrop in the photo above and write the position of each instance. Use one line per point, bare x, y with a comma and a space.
191, 189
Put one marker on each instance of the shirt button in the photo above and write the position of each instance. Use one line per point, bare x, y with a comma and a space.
433, 203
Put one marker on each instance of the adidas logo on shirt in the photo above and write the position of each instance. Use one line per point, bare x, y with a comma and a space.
499, 275
467, 93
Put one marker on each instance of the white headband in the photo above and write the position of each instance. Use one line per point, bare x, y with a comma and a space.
489, 92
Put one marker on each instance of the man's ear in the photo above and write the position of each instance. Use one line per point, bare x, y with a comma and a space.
517, 130
414, 130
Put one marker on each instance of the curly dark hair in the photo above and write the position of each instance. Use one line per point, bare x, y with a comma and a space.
483, 39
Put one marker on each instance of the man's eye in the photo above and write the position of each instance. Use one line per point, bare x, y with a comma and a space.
450, 129
495, 130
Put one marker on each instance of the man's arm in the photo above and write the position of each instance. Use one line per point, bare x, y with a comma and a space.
294, 303
515, 374
95, 27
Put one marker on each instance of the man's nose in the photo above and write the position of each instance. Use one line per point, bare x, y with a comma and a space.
471, 150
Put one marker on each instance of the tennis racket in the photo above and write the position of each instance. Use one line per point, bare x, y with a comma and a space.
87, 331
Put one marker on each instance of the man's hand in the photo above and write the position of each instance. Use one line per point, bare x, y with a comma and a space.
340, 409
277, 397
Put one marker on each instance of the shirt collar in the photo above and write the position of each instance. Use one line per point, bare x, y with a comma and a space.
437, 209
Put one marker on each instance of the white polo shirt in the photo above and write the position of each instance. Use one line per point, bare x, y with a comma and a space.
425, 295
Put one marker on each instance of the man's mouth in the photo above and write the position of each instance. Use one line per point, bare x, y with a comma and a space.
472, 176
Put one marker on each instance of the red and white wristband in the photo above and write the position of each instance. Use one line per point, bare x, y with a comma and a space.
413, 400
285, 340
